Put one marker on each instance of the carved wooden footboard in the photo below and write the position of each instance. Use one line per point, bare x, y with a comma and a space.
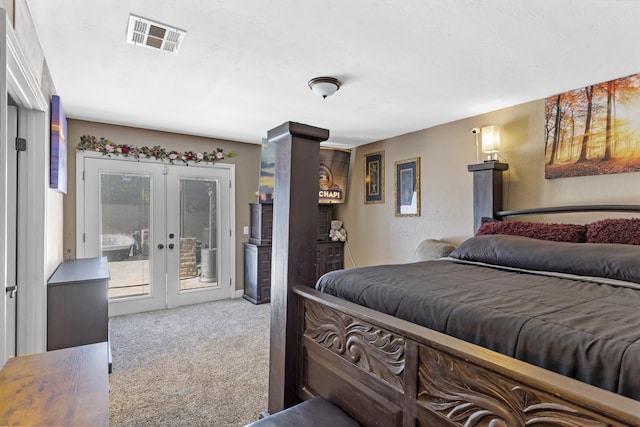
384, 371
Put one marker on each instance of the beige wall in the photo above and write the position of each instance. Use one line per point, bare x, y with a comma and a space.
247, 170
376, 236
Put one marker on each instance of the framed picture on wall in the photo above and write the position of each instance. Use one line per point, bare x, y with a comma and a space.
58, 178
593, 130
374, 177
407, 187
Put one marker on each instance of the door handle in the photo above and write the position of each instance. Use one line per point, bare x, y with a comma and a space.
171, 245
11, 290
160, 246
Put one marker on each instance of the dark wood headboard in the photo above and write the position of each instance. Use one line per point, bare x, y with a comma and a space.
488, 198
567, 209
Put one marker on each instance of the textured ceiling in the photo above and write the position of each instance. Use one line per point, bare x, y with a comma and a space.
405, 65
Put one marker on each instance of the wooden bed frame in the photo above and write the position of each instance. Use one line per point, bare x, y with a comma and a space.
384, 371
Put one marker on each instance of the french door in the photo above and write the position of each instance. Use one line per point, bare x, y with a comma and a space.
165, 230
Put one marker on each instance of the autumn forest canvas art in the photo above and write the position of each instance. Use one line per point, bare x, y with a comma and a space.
594, 130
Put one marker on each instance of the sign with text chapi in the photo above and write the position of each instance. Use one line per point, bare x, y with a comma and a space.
333, 174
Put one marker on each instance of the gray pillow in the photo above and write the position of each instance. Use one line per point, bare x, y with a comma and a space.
610, 260
432, 249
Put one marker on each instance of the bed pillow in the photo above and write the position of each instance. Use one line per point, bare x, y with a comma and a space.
621, 230
555, 232
610, 260
432, 249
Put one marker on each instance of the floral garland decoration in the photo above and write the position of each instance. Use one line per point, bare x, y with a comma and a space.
109, 148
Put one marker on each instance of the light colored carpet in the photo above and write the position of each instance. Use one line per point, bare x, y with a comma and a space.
201, 365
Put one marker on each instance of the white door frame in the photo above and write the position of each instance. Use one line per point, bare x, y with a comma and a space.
10, 241
81, 250
17, 80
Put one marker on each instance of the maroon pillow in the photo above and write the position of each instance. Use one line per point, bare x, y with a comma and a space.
574, 233
614, 231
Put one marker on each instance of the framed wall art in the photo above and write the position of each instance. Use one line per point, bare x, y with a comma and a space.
407, 187
374, 177
594, 130
58, 178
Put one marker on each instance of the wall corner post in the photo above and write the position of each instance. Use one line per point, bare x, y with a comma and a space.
295, 222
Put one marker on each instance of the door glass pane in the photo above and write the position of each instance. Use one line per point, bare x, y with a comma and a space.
198, 233
124, 232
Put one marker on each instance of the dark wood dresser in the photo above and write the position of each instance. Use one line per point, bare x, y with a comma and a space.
78, 303
257, 252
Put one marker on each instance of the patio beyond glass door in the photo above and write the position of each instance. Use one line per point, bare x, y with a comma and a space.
165, 231
125, 231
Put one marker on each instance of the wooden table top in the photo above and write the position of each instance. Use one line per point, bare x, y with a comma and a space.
67, 387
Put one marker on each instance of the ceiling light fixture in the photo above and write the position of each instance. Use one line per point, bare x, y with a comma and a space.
324, 86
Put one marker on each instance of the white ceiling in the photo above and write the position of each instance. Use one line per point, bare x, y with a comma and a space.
405, 65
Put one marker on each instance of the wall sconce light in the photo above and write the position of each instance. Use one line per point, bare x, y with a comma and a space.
491, 142
324, 86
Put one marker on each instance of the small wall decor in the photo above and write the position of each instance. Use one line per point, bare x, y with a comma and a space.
594, 130
407, 187
374, 177
58, 175
109, 148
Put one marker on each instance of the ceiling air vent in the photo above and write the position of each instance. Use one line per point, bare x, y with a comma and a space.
154, 35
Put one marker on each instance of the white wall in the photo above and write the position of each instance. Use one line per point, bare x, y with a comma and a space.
31, 87
36, 63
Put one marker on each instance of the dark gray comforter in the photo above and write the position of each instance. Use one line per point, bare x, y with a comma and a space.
583, 329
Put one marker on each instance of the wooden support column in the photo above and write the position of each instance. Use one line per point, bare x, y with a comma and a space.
487, 190
295, 222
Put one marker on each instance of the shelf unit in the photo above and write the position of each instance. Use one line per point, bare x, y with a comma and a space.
257, 251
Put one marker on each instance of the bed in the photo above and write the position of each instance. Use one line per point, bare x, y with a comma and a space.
445, 365
521, 297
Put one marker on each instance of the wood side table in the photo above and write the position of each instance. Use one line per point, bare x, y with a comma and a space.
68, 387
